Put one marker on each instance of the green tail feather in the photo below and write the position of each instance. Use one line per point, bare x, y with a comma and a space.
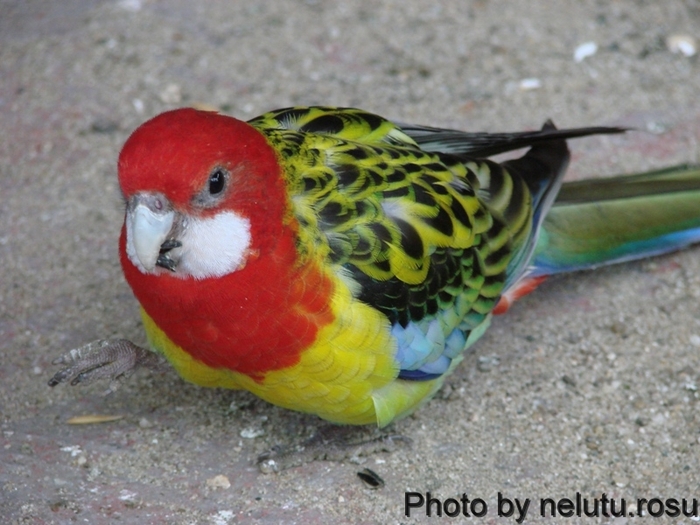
605, 221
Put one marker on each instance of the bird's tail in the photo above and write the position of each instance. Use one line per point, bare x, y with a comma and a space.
596, 222
606, 221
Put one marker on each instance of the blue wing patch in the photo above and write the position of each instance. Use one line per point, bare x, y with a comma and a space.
424, 353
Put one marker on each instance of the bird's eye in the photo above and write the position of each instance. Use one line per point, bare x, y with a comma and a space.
217, 181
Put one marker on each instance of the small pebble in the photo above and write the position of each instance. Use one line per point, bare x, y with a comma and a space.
568, 380
127, 495
223, 517
219, 482
683, 44
171, 94
528, 84
251, 433
584, 51
486, 363
138, 105
73, 449
269, 466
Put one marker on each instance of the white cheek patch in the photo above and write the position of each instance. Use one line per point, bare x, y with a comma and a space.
212, 247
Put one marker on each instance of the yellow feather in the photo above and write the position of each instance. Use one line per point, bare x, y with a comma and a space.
338, 377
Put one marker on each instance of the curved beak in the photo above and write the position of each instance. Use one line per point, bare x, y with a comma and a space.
149, 220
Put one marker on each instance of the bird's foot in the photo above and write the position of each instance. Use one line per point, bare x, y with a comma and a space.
329, 443
113, 359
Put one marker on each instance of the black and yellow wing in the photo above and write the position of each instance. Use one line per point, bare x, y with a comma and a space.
427, 237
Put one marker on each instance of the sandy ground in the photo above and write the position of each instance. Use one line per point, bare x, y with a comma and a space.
588, 386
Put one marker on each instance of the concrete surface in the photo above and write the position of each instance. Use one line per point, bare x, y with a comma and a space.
590, 385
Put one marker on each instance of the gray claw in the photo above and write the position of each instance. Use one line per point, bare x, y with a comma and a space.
113, 359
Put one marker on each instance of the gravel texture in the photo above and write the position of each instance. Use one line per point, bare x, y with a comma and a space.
589, 386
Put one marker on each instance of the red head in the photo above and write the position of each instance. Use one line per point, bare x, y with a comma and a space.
199, 187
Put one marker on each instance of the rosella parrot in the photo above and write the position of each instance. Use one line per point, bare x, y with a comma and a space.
336, 263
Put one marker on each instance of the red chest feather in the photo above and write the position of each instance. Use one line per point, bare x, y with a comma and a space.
254, 320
